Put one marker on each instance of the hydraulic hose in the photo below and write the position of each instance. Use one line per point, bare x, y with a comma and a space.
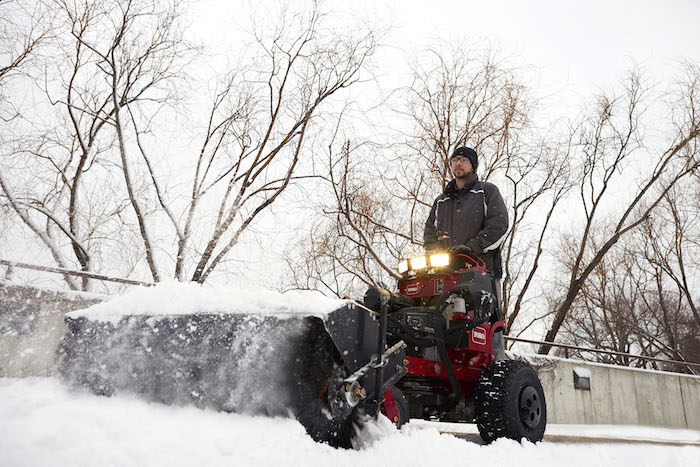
456, 396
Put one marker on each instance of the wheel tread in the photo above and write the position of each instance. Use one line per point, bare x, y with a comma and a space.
491, 398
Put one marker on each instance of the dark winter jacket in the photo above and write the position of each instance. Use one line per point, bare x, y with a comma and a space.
475, 216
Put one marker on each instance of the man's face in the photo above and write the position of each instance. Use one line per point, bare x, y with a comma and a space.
461, 167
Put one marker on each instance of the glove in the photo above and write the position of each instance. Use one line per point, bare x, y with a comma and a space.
460, 250
474, 248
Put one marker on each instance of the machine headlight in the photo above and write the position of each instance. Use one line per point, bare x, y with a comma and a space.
440, 259
403, 266
419, 262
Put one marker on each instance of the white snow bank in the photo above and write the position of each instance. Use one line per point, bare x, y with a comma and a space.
43, 423
181, 298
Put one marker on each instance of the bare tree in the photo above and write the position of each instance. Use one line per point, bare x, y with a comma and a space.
534, 181
119, 83
670, 240
380, 194
308, 66
260, 122
110, 55
630, 305
605, 314
346, 251
609, 139
463, 95
22, 30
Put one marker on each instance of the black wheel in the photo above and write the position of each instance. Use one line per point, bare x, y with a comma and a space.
401, 406
315, 402
509, 402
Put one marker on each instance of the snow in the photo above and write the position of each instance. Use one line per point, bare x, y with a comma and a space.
43, 422
179, 298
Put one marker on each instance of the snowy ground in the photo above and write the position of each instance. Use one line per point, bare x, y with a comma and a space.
43, 423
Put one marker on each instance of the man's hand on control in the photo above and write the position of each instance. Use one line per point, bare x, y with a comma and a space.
460, 250
472, 248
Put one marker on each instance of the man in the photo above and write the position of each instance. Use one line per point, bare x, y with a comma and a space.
470, 217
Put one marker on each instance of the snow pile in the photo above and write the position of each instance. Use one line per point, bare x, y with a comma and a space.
43, 423
182, 298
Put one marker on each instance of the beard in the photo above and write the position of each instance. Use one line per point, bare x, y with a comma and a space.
463, 174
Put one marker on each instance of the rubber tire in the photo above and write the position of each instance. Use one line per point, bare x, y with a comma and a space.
502, 387
401, 406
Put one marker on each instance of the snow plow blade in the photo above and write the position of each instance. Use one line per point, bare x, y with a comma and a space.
321, 369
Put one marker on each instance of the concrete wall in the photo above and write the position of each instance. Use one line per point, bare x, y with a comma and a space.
617, 395
31, 328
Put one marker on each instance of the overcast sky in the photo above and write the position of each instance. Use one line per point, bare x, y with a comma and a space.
574, 46
575, 43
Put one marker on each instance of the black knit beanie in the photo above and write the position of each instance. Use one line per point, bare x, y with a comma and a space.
469, 153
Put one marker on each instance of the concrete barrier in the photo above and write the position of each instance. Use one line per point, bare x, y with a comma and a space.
617, 395
31, 327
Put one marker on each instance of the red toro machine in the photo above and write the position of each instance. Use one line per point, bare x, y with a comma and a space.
425, 351
446, 314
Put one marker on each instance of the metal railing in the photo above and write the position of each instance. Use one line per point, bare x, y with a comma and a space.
90, 275
602, 351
